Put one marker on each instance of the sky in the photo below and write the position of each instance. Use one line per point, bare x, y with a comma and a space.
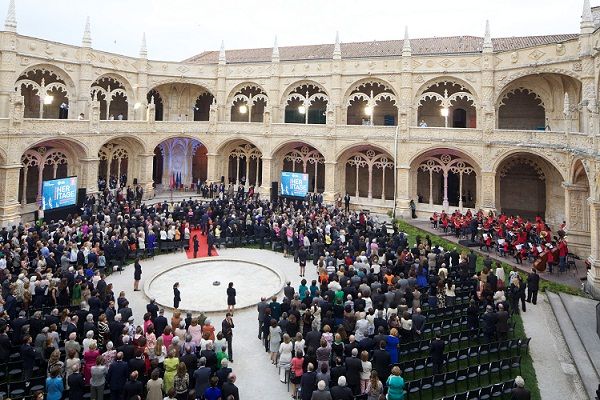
178, 29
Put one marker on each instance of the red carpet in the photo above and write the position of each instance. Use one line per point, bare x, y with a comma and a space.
203, 248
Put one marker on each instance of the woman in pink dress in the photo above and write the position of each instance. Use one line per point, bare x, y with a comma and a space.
89, 358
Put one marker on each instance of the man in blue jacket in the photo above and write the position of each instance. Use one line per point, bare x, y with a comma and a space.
117, 377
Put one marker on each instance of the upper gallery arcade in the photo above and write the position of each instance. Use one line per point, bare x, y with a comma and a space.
451, 123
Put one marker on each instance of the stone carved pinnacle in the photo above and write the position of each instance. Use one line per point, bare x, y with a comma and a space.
586, 15
143, 48
222, 58
337, 49
406, 48
86, 41
275, 55
10, 23
487, 39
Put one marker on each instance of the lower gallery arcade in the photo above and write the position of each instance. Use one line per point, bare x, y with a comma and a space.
522, 183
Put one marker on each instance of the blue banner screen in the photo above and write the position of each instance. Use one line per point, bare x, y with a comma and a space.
59, 193
293, 184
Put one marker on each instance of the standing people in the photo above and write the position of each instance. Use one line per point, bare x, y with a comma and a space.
230, 298
533, 285
302, 256
196, 245
176, 295
227, 330
137, 275
347, 203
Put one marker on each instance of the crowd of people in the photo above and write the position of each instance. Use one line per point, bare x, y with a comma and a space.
339, 336
65, 322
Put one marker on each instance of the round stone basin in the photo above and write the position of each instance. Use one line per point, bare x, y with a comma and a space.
198, 293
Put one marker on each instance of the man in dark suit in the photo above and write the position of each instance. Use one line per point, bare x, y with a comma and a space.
160, 322
519, 392
138, 364
533, 285
229, 388
313, 339
201, 377
127, 349
353, 370
338, 369
29, 357
223, 373
502, 322
381, 362
437, 354
152, 308
308, 382
488, 321
341, 391
117, 377
76, 384
418, 323
133, 388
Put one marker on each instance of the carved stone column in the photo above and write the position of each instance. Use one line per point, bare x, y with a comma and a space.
8, 74
213, 174
265, 187
10, 208
487, 191
403, 195
146, 162
330, 181
89, 173
593, 276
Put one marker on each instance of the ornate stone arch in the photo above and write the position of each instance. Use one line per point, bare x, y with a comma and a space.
46, 91
364, 162
61, 73
458, 172
532, 152
452, 95
361, 83
467, 87
46, 161
243, 85
252, 101
113, 89
505, 81
295, 85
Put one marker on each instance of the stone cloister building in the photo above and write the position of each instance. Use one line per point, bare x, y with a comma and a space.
508, 124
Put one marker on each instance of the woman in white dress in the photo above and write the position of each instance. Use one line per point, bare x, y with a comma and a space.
285, 357
274, 340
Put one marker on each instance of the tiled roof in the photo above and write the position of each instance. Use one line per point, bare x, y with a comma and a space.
384, 48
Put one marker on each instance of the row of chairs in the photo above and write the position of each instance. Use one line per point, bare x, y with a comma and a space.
496, 391
20, 389
474, 376
471, 356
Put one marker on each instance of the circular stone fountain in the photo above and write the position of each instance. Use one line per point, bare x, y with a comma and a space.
197, 284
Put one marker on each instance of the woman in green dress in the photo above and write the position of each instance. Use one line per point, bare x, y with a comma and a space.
395, 385
171, 363
76, 295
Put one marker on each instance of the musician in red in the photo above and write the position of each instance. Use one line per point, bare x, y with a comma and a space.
563, 251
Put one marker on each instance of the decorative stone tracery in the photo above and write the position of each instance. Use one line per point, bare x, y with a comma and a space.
42, 160
371, 160
115, 159
45, 93
445, 164
246, 153
306, 104
305, 156
108, 90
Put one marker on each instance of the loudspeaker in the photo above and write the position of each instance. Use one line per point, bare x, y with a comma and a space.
135, 181
274, 191
81, 195
222, 179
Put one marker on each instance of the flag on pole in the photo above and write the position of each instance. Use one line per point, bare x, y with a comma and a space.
172, 183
